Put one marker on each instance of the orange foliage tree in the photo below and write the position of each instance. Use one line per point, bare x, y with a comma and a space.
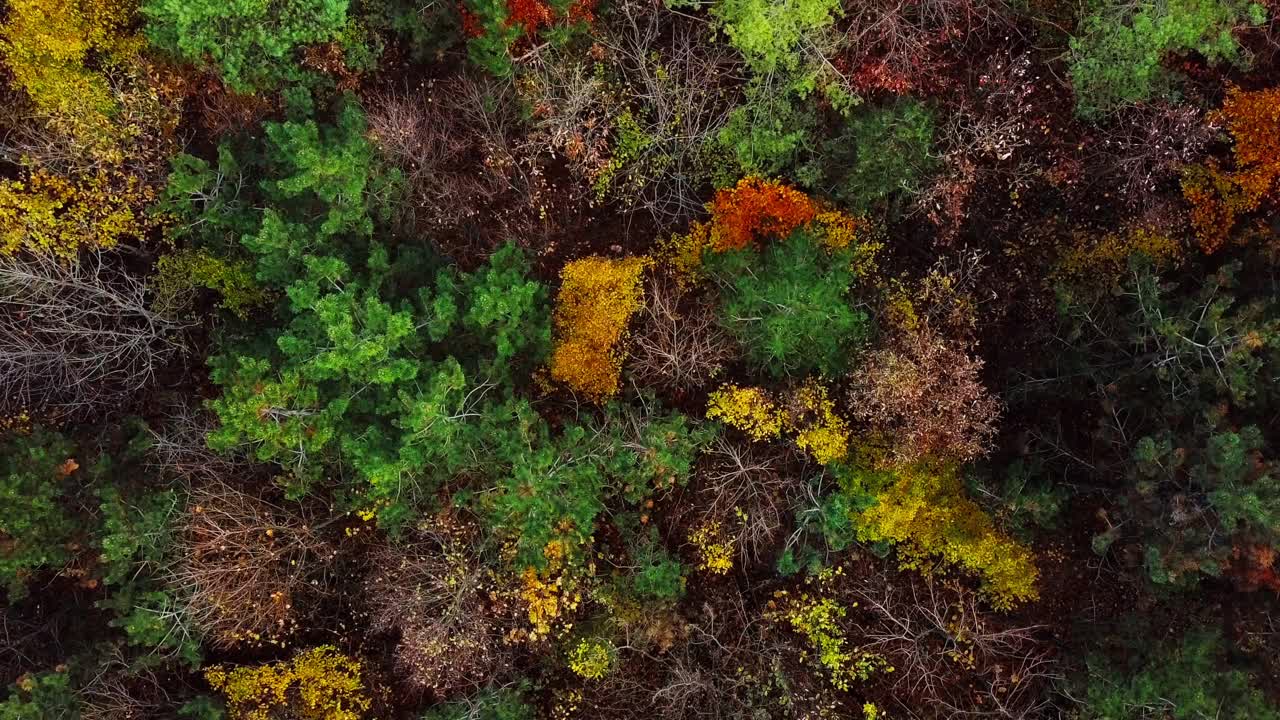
757, 208
597, 299
1218, 196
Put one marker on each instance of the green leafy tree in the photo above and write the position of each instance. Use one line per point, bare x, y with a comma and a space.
37, 523
881, 156
1178, 375
790, 306
1118, 53
551, 487
772, 34
45, 696
252, 43
497, 704
1187, 681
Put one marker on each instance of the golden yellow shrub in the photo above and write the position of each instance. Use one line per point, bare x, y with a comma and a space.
748, 409
925, 512
1108, 256
819, 431
46, 43
60, 216
597, 299
319, 684
715, 551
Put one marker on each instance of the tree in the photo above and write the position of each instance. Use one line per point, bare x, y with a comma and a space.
924, 394
48, 46
597, 298
789, 305
1176, 374
1118, 51
881, 157
1219, 197
36, 521
1183, 681
317, 684
251, 43
77, 338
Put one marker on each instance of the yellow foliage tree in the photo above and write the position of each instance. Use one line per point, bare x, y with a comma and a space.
809, 413
598, 296
318, 684
46, 44
748, 409
925, 512
55, 215
819, 431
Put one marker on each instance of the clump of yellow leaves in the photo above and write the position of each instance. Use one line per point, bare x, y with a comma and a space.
715, 551
598, 296
817, 619
809, 413
319, 684
926, 513
548, 593
50, 214
591, 658
749, 409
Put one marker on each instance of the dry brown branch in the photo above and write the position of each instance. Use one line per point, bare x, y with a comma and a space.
432, 592
681, 89
77, 337
677, 349
745, 486
966, 662
119, 690
244, 564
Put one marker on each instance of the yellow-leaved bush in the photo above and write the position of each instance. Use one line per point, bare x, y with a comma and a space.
817, 618
46, 43
819, 430
922, 508
1107, 257
53, 215
749, 409
318, 684
598, 297
809, 413
713, 547
549, 594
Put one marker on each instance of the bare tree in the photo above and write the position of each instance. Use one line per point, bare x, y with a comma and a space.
432, 592
179, 447
121, 690
76, 337
681, 89
1144, 146
746, 485
677, 349
245, 563
895, 45
944, 647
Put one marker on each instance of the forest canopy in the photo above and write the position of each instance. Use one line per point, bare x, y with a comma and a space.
692, 360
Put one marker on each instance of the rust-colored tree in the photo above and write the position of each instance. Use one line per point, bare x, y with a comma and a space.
923, 393
1217, 196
